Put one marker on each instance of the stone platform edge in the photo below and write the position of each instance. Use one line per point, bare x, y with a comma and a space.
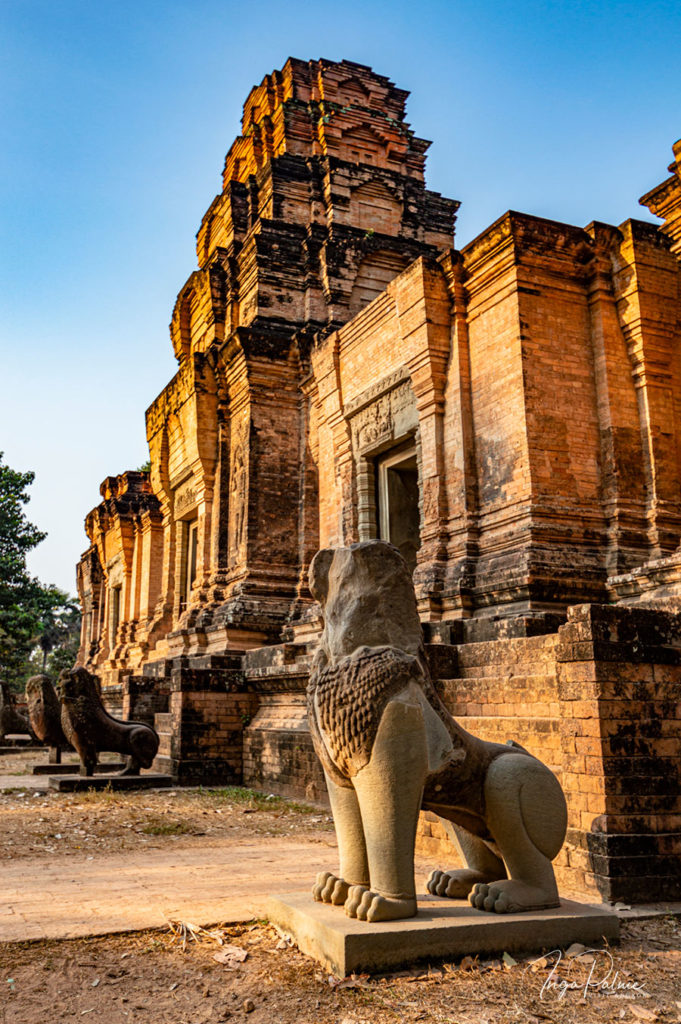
74, 769
81, 783
442, 929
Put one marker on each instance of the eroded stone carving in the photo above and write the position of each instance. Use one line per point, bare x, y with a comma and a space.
44, 714
90, 728
185, 499
238, 504
370, 394
11, 721
386, 417
389, 747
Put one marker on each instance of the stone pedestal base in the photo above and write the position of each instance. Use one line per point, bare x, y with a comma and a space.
74, 769
81, 783
442, 929
19, 748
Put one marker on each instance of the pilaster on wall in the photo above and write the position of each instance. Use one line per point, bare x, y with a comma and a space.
490, 489
623, 493
308, 506
218, 565
422, 306
619, 684
648, 296
459, 442
340, 519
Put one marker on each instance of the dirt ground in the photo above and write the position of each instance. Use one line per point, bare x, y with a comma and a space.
249, 972
44, 823
149, 978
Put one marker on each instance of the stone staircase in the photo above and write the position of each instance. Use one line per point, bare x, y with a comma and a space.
499, 690
278, 752
506, 690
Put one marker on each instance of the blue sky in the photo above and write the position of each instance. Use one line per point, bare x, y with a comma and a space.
115, 121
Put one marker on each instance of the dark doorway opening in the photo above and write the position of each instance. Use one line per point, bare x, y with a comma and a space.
398, 502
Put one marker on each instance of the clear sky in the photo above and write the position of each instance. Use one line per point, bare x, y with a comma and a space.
116, 117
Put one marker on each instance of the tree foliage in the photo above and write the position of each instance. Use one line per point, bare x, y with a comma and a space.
32, 615
59, 637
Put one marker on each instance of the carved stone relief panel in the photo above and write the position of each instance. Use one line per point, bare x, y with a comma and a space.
374, 424
238, 495
347, 503
185, 499
381, 418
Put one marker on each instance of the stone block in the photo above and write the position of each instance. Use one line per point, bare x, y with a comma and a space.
118, 783
74, 769
442, 929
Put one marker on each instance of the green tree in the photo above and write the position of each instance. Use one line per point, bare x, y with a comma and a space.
39, 624
20, 593
59, 636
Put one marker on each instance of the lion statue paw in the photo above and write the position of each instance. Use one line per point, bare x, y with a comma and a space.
366, 905
510, 896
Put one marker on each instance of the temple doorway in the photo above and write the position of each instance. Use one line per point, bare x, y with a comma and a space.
398, 502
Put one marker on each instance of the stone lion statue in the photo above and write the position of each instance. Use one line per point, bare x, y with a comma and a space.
11, 720
389, 747
44, 713
89, 727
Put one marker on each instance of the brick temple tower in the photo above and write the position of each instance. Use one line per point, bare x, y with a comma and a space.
323, 202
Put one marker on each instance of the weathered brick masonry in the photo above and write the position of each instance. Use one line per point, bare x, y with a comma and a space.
506, 414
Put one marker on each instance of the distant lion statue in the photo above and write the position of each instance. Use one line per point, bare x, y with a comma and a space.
89, 727
12, 721
389, 747
44, 714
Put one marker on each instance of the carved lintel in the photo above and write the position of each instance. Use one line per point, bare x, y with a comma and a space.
375, 391
185, 499
386, 418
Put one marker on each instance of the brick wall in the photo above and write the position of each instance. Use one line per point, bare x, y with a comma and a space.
144, 698
278, 752
619, 681
501, 690
202, 739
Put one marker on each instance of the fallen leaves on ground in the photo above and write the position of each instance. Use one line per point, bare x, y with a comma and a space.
193, 975
230, 955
